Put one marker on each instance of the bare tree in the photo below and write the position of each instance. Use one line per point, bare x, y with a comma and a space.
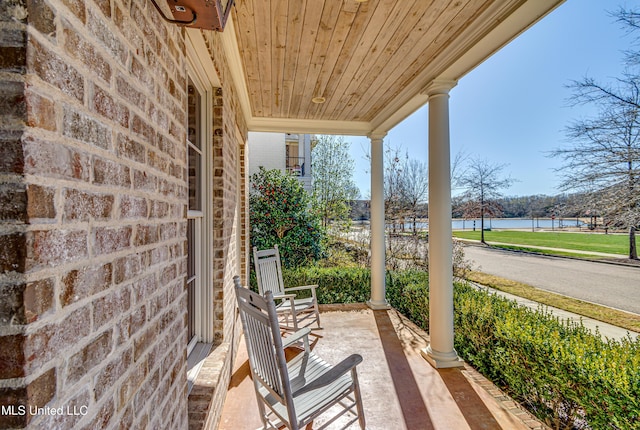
415, 187
603, 155
483, 182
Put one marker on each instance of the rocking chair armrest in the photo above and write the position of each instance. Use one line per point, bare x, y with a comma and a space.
296, 336
284, 296
332, 375
302, 287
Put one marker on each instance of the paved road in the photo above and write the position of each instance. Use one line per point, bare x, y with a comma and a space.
607, 284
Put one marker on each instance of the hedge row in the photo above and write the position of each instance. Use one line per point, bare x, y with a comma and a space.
564, 374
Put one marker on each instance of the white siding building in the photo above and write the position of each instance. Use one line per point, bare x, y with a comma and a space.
288, 152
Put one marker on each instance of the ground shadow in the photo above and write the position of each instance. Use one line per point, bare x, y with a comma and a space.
414, 411
473, 409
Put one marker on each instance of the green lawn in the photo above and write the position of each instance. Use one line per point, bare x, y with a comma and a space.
609, 243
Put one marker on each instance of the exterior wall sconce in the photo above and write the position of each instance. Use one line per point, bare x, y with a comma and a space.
203, 14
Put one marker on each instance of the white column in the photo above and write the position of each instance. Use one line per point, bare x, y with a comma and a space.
440, 352
378, 293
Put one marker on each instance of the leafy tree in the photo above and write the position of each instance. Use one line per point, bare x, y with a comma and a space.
333, 186
603, 157
483, 181
280, 214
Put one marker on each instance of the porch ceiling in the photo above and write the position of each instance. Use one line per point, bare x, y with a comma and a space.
370, 60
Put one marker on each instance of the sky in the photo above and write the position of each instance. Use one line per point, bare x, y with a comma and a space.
513, 108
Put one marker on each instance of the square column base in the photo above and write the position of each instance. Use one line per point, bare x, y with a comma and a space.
441, 362
378, 306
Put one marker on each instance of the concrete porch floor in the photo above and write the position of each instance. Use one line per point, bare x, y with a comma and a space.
400, 389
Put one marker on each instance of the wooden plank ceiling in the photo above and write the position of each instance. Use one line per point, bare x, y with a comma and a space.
359, 56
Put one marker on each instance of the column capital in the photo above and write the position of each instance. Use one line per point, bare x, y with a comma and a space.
439, 86
377, 135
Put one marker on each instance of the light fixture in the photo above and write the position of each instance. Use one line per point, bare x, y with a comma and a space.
204, 14
318, 100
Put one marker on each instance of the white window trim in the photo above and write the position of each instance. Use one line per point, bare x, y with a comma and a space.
200, 70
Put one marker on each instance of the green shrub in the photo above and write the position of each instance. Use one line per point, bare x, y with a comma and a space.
335, 285
280, 214
564, 374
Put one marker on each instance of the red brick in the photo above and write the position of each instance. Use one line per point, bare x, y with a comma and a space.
88, 357
140, 127
41, 17
105, 7
81, 399
141, 74
21, 304
131, 149
126, 268
157, 255
38, 299
108, 172
106, 378
168, 231
105, 105
11, 305
13, 59
146, 390
55, 247
81, 283
55, 70
166, 188
12, 102
40, 202
44, 158
13, 252
12, 359
12, 398
79, 126
103, 417
83, 206
144, 341
157, 161
131, 384
144, 181
144, 288
11, 153
159, 209
38, 393
146, 235
157, 305
81, 49
77, 8
133, 207
111, 306
158, 117
109, 240
41, 112
13, 202
130, 93
98, 27
54, 339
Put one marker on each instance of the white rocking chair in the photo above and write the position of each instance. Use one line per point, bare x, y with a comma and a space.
293, 393
302, 311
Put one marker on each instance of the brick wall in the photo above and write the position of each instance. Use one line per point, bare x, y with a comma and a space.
93, 205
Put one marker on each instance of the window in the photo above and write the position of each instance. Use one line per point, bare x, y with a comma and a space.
195, 213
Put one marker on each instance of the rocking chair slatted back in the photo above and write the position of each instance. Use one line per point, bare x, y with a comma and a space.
263, 346
269, 271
